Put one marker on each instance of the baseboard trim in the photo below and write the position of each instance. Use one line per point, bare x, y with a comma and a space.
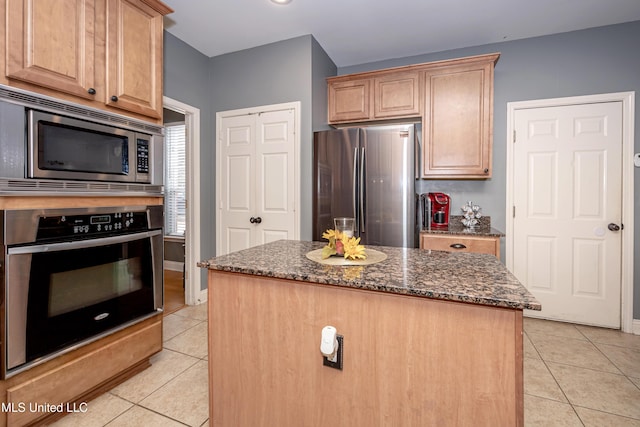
636, 326
173, 265
202, 297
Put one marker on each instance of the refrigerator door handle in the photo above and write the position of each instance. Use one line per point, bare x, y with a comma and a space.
363, 191
354, 197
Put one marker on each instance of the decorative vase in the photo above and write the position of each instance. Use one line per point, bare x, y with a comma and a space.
471, 214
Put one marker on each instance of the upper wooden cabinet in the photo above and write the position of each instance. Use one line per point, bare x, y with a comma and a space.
454, 99
102, 53
50, 43
349, 101
373, 96
396, 95
457, 136
134, 53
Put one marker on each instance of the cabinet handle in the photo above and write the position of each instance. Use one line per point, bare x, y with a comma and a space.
114, 98
458, 246
486, 170
91, 91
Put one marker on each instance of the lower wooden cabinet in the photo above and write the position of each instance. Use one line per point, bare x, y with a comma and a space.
457, 243
72, 379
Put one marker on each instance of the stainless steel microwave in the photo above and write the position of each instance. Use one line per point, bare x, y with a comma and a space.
60, 147
49, 143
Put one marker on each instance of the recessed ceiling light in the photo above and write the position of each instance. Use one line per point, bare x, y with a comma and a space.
281, 1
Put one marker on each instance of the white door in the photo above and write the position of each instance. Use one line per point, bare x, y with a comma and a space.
274, 158
567, 193
257, 180
237, 170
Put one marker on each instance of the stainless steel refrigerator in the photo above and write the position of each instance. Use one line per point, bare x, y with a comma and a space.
367, 173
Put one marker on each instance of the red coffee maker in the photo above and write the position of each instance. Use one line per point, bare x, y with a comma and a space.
439, 212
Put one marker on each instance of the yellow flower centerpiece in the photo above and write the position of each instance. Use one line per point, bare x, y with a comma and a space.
342, 245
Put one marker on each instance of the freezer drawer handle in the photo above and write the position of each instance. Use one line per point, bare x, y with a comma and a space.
457, 246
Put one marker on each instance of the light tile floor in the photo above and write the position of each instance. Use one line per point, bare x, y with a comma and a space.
580, 376
173, 392
573, 376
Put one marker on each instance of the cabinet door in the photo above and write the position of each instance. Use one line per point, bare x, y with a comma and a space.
397, 95
457, 123
50, 43
349, 101
134, 53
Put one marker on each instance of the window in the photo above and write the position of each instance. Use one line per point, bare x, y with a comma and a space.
175, 180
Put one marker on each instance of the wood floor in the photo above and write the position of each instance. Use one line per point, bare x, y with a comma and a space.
173, 291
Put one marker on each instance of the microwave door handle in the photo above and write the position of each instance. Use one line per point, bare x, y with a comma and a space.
82, 244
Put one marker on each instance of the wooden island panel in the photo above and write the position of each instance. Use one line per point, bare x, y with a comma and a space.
408, 361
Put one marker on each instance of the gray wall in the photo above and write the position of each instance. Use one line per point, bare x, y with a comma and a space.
321, 67
186, 79
600, 60
275, 73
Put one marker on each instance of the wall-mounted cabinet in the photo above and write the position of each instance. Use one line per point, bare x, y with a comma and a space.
349, 101
454, 99
106, 54
52, 44
396, 95
458, 121
378, 96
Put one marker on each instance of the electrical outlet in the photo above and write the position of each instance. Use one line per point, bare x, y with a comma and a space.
338, 363
636, 160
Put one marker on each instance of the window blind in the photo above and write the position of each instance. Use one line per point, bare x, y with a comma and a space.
175, 179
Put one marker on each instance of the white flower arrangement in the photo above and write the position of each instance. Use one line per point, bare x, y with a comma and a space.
471, 214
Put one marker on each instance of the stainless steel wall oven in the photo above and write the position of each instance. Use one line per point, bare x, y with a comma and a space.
71, 276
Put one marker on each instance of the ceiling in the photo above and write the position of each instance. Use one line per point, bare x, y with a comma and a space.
360, 31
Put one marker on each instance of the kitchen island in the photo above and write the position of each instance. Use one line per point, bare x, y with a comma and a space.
429, 338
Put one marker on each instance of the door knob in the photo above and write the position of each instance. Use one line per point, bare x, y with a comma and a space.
613, 227
256, 220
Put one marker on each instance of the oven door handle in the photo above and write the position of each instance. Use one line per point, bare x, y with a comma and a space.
82, 244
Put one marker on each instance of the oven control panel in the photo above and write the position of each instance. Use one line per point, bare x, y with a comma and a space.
65, 226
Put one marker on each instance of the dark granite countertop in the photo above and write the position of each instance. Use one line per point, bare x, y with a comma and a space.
483, 229
466, 277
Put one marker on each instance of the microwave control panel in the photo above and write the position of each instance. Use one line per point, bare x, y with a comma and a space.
142, 155
65, 226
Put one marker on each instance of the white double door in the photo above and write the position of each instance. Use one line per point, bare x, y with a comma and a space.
256, 179
567, 194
